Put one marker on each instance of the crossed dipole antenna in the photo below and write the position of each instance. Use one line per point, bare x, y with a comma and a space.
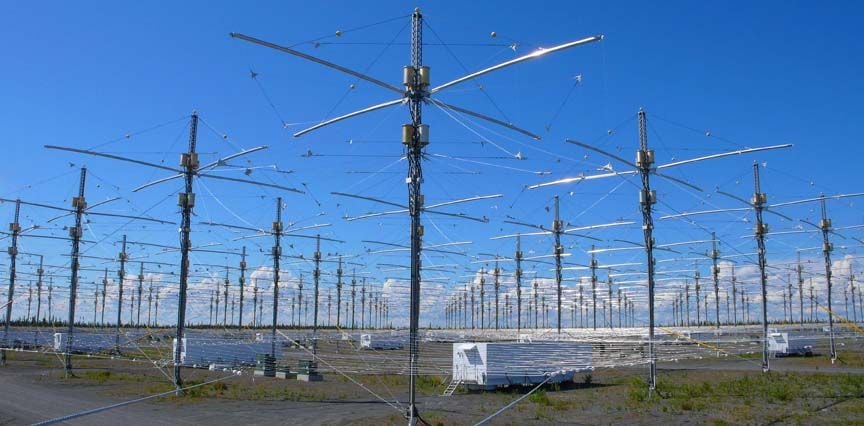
79, 210
277, 231
759, 205
190, 168
558, 229
416, 92
645, 167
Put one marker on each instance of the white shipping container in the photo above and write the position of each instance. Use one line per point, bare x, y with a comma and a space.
493, 364
781, 344
369, 341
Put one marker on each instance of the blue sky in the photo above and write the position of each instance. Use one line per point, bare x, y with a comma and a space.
87, 75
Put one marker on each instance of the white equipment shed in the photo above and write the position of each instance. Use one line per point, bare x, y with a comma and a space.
489, 365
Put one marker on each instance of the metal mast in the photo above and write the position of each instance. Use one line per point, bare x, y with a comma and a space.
415, 137
363, 304
697, 287
735, 299
518, 273
80, 205
122, 276
353, 296
225, 299
140, 291
827, 247
647, 198
715, 271
482, 298
609, 281
104, 291
593, 288
497, 287
536, 307
242, 282
759, 199
316, 277
15, 227
255, 318
800, 271
186, 200
149, 303
339, 294
41, 271
277, 254
557, 229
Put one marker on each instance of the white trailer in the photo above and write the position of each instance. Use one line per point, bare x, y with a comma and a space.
369, 341
781, 344
488, 365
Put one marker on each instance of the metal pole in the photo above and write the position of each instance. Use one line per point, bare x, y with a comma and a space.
225, 309
827, 247
122, 276
647, 198
759, 199
50, 304
353, 295
593, 288
40, 271
79, 204
482, 297
186, 200
800, 271
104, 292
339, 294
558, 229
497, 287
417, 138
715, 272
140, 292
518, 273
735, 299
255, 302
242, 282
316, 276
687, 300
698, 314
536, 306
609, 281
15, 227
149, 303
277, 254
